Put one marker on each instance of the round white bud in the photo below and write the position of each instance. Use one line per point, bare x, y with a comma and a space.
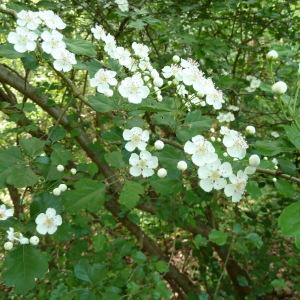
162, 173
254, 160
34, 240
159, 98
63, 187
158, 82
272, 54
60, 168
73, 171
56, 191
8, 246
276, 167
213, 139
212, 129
250, 130
219, 139
265, 158
274, 179
146, 78
176, 59
279, 87
159, 145
250, 170
225, 154
182, 165
24, 241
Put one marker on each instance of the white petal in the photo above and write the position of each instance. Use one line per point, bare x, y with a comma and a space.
147, 172
41, 229
189, 147
130, 146
134, 159
135, 171
206, 184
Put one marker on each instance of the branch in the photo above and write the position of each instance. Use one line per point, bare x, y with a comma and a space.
8, 11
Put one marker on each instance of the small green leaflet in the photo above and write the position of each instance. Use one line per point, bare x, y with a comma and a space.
130, 194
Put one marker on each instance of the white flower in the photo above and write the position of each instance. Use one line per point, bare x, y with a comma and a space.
225, 117
124, 57
275, 161
98, 32
255, 83
182, 165
202, 151
140, 50
28, 19
34, 240
23, 39
206, 86
159, 145
137, 138
5, 212
48, 222
60, 168
52, 20
11, 234
52, 42
8, 246
161, 173
142, 164
122, 4
250, 130
275, 134
133, 89
215, 99
254, 160
235, 144
103, 79
64, 60
272, 54
213, 175
236, 188
279, 87
73, 171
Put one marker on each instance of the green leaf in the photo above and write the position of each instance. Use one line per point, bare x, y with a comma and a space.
285, 188
101, 103
293, 135
200, 241
115, 159
8, 51
90, 273
81, 47
130, 194
32, 146
218, 237
253, 189
22, 266
255, 239
87, 194
30, 61
22, 176
271, 148
162, 266
60, 155
289, 220
278, 284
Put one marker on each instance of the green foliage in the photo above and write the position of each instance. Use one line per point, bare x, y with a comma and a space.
23, 266
130, 194
218, 237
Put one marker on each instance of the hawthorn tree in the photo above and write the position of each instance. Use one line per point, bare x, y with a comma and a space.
149, 150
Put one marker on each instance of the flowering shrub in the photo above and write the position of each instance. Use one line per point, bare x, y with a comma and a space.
117, 131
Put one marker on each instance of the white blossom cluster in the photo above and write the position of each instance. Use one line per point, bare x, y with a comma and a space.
225, 117
48, 222
42, 26
254, 83
5, 212
134, 88
186, 74
15, 237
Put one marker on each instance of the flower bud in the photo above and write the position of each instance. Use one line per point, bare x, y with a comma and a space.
162, 173
176, 59
182, 165
34, 240
159, 145
8, 246
73, 171
272, 54
60, 168
56, 192
250, 130
254, 160
279, 87
62, 187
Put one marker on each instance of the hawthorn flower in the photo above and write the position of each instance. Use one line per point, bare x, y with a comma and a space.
122, 4
23, 39
5, 212
140, 50
48, 222
215, 99
52, 42
28, 19
124, 57
225, 117
52, 20
98, 32
205, 86
136, 137
236, 188
272, 54
64, 60
11, 234
133, 89
212, 176
202, 151
142, 164
103, 79
235, 144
